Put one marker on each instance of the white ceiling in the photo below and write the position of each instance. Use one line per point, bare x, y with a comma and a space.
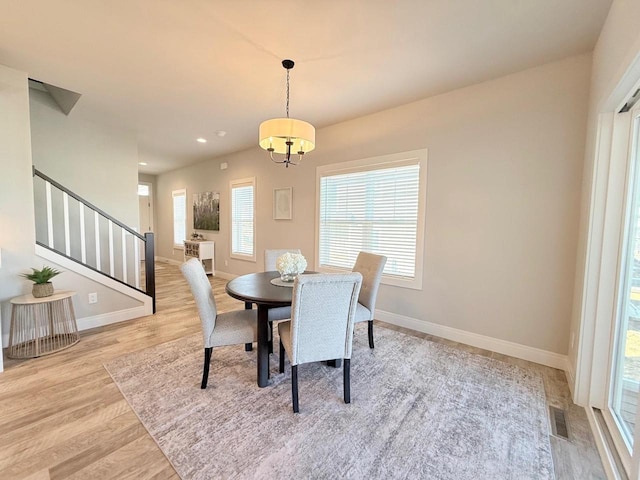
176, 70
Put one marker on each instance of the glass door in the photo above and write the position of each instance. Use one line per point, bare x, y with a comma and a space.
624, 383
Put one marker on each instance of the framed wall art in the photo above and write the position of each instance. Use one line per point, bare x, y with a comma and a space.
282, 203
206, 211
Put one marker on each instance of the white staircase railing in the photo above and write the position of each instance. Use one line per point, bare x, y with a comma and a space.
71, 226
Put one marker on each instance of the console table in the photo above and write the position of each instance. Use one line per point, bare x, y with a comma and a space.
40, 326
204, 250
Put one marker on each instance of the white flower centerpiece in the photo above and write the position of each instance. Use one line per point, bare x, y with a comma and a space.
290, 265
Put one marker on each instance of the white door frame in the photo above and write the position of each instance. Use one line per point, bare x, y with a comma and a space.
606, 220
151, 207
151, 223
589, 352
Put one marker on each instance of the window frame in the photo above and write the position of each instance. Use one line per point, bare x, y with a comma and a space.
243, 182
176, 193
411, 157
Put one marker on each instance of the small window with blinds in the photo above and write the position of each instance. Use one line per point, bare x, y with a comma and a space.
243, 219
377, 206
179, 217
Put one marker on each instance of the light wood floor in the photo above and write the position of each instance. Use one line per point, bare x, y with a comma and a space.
61, 416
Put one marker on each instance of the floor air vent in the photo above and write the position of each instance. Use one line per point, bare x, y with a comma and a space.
558, 423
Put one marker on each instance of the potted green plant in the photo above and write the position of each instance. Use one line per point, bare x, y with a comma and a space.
42, 287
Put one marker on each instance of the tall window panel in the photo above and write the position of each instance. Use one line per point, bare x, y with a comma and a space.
375, 207
243, 219
179, 217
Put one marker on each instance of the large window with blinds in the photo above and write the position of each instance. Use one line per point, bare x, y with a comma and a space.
179, 217
243, 219
374, 205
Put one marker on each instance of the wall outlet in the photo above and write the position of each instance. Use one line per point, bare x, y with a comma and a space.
93, 298
226, 263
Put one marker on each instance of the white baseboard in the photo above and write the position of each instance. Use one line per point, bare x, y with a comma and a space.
225, 275
504, 347
218, 273
104, 318
168, 260
112, 317
101, 320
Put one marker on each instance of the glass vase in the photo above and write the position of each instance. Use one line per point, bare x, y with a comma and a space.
288, 276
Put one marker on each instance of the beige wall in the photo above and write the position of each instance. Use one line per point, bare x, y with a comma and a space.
503, 190
617, 47
17, 232
75, 153
96, 161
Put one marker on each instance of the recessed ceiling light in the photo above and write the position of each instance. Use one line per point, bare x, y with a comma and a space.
221, 133
142, 163
201, 140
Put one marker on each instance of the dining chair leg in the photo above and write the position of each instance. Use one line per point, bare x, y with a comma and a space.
370, 333
270, 337
346, 370
294, 388
281, 357
205, 370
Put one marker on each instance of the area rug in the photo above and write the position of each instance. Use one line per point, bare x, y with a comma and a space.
419, 410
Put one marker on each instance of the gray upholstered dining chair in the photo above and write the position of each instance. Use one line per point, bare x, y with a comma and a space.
321, 326
230, 328
371, 267
271, 255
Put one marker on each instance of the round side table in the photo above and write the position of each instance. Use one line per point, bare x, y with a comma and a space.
40, 326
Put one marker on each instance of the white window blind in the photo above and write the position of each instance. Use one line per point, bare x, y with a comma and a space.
372, 210
179, 217
242, 218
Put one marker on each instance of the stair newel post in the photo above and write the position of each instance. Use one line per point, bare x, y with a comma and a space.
149, 267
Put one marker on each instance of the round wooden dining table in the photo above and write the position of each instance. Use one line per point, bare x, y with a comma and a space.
257, 288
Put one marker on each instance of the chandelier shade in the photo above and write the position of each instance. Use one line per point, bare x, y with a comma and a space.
276, 132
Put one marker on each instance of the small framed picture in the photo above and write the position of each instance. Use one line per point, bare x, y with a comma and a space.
282, 203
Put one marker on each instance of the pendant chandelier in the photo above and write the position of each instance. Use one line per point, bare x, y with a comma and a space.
284, 136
